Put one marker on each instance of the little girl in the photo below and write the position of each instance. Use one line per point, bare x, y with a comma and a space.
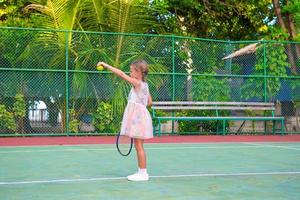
137, 122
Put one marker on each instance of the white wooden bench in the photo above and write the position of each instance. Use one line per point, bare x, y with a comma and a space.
176, 106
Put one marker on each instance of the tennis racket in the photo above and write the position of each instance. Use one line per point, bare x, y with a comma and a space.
124, 144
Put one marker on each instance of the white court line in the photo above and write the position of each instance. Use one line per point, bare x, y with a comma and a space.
273, 146
147, 148
155, 177
146, 144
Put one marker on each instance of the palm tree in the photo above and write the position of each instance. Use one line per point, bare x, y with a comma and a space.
52, 45
85, 49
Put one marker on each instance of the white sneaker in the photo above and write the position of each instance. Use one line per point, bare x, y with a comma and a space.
138, 177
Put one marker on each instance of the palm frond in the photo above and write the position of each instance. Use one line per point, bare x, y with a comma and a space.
93, 15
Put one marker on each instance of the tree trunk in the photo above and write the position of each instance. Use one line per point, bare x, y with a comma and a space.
20, 125
189, 69
292, 32
289, 50
291, 58
278, 14
27, 125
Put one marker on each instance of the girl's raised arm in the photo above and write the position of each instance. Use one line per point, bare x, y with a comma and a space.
121, 74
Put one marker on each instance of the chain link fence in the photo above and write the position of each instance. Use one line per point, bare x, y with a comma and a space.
49, 85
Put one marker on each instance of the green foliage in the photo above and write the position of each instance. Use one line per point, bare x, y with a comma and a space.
12, 13
293, 7
276, 64
290, 15
19, 107
74, 122
7, 120
103, 118
201, 63
210, 89
228, 19
85, 50
276, 33
194, 126
205, 89
295, 86
158, 113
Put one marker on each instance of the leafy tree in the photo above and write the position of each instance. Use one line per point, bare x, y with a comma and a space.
85, 50
19, 110
12, 13
206, 89
229, 19
103, 118
288, 19
7, 119
277, 65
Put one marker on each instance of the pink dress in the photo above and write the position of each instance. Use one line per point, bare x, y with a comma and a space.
137, 122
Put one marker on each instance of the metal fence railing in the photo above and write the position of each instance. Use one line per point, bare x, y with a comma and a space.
49, 85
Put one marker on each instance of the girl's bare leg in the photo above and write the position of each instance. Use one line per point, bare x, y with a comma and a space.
142, 174
141, 156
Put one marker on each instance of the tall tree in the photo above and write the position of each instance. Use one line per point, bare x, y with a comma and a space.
121, 16
288, 19
288, 16
226, 19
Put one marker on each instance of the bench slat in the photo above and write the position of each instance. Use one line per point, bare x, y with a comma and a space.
210, 103
217, 118
210, 108
217, 106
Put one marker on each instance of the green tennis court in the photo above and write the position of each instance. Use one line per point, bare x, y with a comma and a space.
178, 171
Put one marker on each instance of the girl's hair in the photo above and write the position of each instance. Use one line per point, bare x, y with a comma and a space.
142, 66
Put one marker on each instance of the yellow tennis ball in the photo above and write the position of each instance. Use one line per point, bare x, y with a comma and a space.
100, 68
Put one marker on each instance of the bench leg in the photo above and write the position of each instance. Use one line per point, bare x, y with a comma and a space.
159, 129
154, 131
172, 127
282, 127
265, 124
224, 127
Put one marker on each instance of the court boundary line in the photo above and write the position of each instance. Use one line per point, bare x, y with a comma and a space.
146, 143
153, 177
146, 148
271, 146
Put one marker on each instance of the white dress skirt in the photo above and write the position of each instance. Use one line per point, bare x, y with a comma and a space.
137, 122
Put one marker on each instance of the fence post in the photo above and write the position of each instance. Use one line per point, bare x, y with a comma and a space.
173, 76
67, 84
265, 72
